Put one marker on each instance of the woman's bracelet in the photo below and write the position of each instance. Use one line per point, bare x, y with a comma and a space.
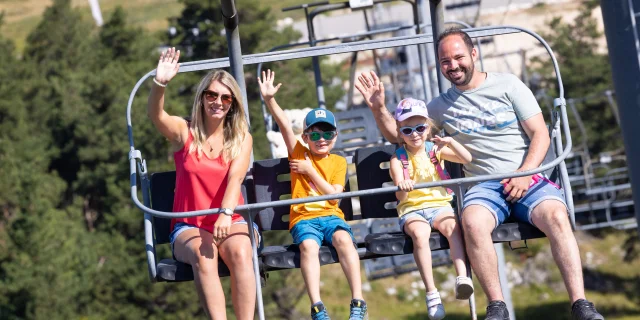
158, 83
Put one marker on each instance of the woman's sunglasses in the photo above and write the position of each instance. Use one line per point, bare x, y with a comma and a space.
212, 96
420, 129
316, 135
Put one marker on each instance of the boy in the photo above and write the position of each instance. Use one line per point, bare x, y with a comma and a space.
314, 172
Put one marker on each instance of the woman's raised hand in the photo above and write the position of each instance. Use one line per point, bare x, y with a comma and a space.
168, 65
266, 84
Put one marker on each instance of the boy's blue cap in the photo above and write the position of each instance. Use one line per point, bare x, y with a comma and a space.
319, 115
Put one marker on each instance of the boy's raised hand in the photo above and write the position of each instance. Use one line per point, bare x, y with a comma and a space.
266, 84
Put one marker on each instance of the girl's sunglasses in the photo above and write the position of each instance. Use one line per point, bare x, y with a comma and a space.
212, 96
420, 129
316, 135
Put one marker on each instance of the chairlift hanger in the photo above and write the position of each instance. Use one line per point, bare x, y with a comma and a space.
137, 164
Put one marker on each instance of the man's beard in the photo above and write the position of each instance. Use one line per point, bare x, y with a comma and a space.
468, 74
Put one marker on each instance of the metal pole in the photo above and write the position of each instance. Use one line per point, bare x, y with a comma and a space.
376, 60
622, 42
633, 14
423, 54
467, 263
613, 105
230, 16
231, 21
504, 282
256, 267
437, 27
352, 78
315, 61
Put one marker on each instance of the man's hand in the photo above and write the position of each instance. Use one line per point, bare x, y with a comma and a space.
301, 166
406, 185
371, 89
516, 188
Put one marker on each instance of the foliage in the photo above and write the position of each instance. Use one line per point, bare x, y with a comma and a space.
585, 71
71, 242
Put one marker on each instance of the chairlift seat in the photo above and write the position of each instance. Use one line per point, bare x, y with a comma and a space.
371, 175
272, 183
162, 186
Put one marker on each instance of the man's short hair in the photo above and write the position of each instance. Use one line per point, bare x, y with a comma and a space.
455, 32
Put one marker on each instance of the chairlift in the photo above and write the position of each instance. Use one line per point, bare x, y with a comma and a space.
600, 191
157, 189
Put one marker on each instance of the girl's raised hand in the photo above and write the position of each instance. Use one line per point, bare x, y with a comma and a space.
266, 84
441, 142
168, 65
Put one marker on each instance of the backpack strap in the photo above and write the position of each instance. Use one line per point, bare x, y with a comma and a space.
401, 154
442, 172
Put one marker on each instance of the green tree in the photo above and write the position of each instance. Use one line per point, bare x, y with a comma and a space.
585, 71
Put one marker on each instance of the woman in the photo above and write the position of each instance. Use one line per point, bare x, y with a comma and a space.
212, 154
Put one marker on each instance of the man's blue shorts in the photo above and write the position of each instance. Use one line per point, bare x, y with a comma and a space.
320, 229
489, 195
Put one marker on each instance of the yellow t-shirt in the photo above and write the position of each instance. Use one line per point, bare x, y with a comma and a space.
421, 170
333, 169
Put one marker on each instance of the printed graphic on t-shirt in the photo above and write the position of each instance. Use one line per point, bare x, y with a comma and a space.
318, 205
493, 116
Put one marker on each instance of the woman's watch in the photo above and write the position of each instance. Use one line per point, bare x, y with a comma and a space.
226, 211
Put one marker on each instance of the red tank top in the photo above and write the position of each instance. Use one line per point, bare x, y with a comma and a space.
200, 185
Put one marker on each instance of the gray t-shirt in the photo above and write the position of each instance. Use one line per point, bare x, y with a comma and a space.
486, 121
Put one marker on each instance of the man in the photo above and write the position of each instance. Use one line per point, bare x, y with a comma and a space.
496, 117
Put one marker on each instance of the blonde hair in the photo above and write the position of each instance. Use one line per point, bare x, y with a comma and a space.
235, 122
429, 131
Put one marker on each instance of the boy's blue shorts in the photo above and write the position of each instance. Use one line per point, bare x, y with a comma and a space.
320, 229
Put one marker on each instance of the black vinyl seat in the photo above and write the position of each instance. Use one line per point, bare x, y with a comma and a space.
372, 174
162, 190
272, 182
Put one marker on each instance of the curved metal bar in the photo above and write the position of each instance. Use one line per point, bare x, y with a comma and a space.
453, 182
307, 52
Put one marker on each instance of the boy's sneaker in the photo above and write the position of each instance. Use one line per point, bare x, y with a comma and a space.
584, 310
464, 288
435, 308
497, 310
358, 310
318, 312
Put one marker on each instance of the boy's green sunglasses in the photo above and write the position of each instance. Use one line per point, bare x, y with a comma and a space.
316, 135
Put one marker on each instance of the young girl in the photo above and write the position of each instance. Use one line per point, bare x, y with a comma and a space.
424, 209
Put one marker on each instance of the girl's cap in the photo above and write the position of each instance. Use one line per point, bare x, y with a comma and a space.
410, 107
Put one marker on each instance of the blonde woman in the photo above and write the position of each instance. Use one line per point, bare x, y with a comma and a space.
212, 154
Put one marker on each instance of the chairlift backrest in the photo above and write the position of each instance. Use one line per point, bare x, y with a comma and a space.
356, 128
272, 182
163, 186
372, 176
